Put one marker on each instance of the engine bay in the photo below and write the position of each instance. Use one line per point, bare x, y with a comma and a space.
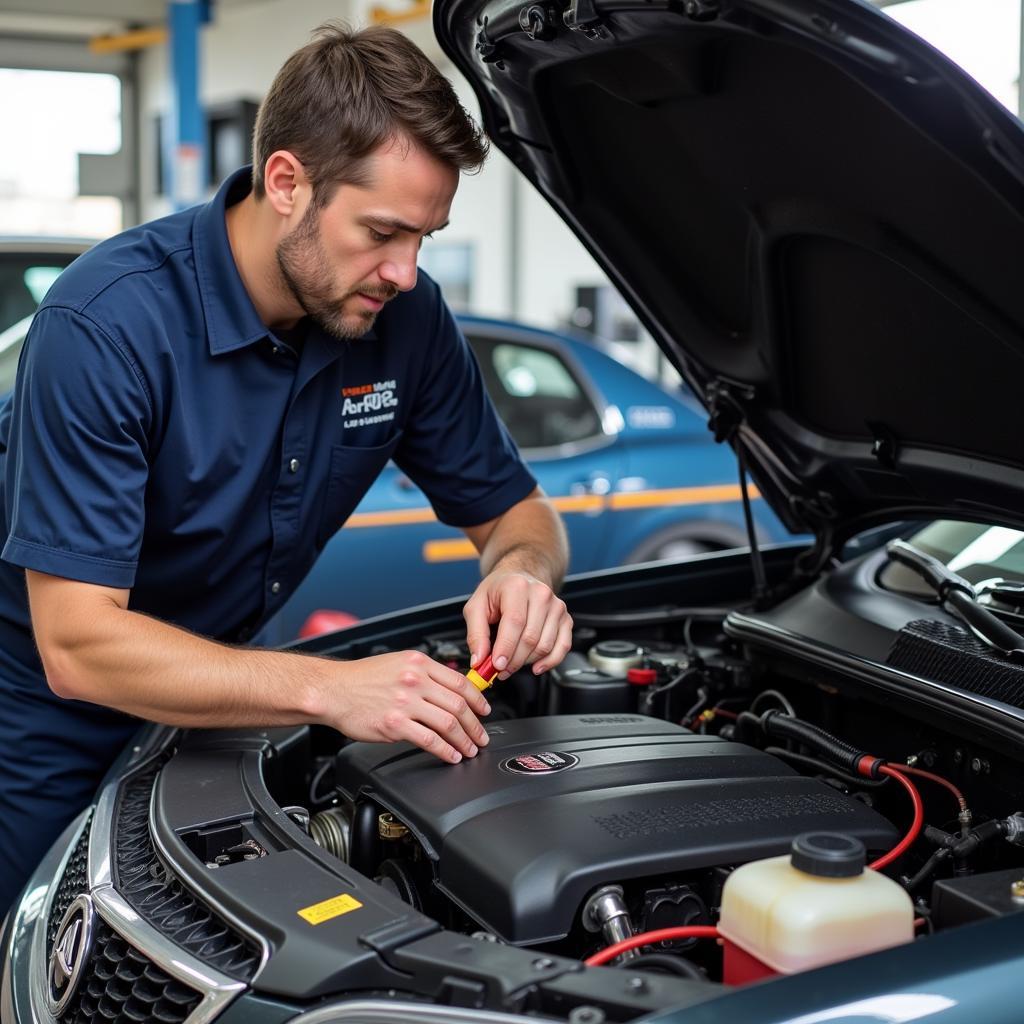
696, 775
620, 792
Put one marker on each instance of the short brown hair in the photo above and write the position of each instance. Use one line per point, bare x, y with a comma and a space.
348, 92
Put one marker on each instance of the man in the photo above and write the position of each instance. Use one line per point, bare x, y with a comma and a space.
177, 449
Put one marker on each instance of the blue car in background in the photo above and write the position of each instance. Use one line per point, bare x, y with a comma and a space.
630, 465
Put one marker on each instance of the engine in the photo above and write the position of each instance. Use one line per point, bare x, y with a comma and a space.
563, 819
666, 778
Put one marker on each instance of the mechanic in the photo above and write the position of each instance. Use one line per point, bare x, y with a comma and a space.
200, 404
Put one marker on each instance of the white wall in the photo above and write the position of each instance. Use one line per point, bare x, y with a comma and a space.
241, 52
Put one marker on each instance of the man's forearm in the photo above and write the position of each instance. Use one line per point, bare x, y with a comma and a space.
529, 538
159, 672
94, 648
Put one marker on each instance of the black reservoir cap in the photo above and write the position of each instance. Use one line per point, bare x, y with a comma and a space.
828, 854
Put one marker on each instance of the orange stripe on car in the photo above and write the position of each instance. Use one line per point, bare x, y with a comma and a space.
679, 496
399, 517
460, 548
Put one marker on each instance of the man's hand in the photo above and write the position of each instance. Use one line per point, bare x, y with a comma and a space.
408, 696
533, 624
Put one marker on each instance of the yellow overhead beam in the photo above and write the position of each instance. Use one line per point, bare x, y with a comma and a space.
385, 16
136, 39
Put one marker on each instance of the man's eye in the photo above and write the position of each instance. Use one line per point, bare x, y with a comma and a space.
377, 236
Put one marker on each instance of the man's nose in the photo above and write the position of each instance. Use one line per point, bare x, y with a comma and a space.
400, 270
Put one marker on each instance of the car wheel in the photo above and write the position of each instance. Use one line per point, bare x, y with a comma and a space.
687, 539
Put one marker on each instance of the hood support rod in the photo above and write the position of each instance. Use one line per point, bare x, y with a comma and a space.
756, 561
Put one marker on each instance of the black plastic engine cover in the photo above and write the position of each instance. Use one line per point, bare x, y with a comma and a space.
556, 806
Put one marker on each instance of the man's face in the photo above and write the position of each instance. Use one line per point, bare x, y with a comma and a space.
344, 261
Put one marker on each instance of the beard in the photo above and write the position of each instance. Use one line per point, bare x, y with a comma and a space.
307, 273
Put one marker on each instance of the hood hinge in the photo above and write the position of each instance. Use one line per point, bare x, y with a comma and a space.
702, 10
885, 446
487, 47
725, 403
538, 21
581, 16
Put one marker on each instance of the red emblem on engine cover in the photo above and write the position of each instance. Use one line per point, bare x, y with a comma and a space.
543, 762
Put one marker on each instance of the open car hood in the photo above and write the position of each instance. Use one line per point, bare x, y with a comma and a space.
817, 216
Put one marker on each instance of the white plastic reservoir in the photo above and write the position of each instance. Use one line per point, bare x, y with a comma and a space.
817, 906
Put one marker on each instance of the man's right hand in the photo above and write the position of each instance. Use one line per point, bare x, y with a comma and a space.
95, 648
408, 696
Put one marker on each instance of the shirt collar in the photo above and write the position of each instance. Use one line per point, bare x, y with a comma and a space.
231, 319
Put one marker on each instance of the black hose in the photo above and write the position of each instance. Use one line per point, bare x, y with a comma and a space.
773, 695
748, 728
314, 785
365, 838
927, 870
702, 699
666, 962
984, 833
784, 727
827, 769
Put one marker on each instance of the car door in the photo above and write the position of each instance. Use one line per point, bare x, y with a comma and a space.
556, 416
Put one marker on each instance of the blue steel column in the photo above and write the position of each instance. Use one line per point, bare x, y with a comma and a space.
188, 162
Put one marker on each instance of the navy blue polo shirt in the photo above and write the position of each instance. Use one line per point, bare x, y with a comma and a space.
160, 438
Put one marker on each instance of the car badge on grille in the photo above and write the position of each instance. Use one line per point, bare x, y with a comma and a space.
70, 954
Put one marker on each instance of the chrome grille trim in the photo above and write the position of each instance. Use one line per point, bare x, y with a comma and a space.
216, 989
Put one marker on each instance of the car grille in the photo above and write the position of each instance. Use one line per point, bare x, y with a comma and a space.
121, 986
73, 882
158, 897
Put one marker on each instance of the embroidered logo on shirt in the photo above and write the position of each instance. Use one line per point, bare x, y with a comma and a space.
369, 403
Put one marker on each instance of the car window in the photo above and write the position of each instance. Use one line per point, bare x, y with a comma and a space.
536, 393
24, 279
11, 341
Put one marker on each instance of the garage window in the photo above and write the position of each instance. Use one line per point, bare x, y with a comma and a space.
55, 116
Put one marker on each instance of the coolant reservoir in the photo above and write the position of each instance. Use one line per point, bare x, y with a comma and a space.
814, 907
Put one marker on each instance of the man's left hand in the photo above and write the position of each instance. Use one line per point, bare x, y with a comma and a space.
534, 627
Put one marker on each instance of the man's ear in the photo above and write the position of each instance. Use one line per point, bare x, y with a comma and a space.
285, 183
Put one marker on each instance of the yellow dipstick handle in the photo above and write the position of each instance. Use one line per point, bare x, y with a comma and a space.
483, 675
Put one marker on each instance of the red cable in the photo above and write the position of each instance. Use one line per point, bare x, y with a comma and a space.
915, 826
694, 931
939, 779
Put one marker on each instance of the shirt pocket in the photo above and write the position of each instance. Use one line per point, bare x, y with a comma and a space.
352, 472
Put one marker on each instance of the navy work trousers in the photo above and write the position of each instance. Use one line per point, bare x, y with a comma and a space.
53, 755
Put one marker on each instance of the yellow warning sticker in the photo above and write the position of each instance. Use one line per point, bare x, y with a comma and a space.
329, 909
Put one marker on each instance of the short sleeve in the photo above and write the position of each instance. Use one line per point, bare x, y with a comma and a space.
76, 466
455, 448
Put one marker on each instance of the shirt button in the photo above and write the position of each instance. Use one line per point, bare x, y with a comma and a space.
275, 587
293, 466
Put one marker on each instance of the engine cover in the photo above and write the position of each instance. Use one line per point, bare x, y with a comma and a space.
554, 807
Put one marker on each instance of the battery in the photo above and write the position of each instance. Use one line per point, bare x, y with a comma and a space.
957, 901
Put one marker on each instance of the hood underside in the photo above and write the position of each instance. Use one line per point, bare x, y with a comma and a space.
816, 215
